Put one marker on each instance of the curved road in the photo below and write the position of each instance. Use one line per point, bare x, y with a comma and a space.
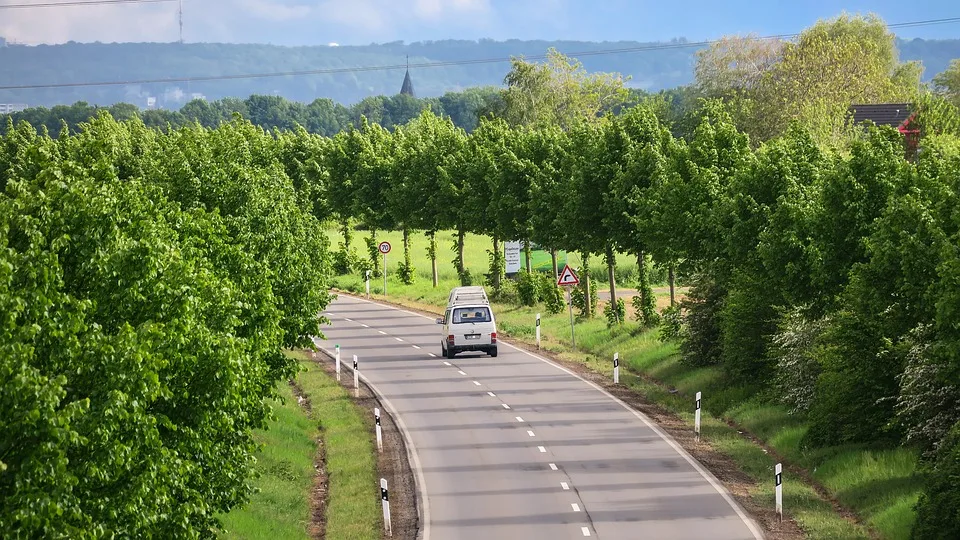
519, 447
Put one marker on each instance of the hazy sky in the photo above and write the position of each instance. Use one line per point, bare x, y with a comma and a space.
358, 22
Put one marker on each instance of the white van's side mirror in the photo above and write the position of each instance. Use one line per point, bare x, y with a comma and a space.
439, 321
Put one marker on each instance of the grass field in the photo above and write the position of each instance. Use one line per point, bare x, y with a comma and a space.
879, 485
281, 510
475, 256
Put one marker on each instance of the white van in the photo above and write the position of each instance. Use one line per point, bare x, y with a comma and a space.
468, 323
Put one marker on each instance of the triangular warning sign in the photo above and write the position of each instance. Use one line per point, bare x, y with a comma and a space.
567, 277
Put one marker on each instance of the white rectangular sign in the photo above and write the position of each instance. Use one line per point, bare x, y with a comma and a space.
512, 256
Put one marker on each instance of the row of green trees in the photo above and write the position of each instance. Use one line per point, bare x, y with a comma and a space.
149, 284
826, 279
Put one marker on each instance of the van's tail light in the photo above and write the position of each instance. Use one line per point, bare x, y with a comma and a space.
450, 339
493, 337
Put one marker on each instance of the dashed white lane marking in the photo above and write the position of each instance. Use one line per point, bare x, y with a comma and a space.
476, 383
433, 355
346, 319
416, 346
446, 363
505, 406
491, 394
382, 332
398, 339
542, 449
586, 531
530, 433
565, 486
553, 466
461, 372
519, 419
365, 325
575, 506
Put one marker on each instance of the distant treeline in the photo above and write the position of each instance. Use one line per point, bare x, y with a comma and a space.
321, 117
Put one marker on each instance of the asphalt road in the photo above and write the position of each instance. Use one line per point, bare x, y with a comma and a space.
517, 447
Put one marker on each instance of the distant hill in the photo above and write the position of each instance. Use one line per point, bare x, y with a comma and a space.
663, 65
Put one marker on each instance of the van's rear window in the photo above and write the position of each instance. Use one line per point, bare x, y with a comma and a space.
471, 315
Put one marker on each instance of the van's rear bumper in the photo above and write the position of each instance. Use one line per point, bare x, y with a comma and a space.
478, 347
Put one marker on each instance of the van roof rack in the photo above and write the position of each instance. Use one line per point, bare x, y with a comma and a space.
468, 295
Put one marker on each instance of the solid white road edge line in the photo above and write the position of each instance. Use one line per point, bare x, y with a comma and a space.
707, 475
419, 480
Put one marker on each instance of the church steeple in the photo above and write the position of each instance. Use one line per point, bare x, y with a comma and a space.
407, 88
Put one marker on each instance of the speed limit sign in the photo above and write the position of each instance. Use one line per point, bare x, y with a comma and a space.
384, 247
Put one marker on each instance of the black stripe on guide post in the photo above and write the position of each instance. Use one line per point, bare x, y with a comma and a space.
384, 495
378, 419
779, 479
616, 362
698, 403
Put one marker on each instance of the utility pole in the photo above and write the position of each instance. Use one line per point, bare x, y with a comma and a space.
180, 16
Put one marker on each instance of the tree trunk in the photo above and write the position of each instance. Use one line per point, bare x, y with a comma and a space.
526, 251
460, 238
611, 274
670, 279
556, 271
433, 257
587, 304
408, 270
645, 291
496, 262
347, 235
375, 254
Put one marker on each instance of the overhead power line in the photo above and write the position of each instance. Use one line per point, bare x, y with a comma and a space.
363, 69
74, 3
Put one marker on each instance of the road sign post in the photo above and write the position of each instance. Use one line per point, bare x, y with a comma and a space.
376, 416
696, 420
779, 482
385, 497
356, 377
568, 280
538, 331
616, 368
384, 248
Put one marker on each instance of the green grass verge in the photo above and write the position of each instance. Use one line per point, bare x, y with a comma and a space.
879, 485
280, 509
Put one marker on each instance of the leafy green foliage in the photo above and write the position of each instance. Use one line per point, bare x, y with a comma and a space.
147, 295
938, 510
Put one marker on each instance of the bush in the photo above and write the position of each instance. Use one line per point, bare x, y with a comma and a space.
701, 346
528, 288
577, 299
406, 273
344, 261
793, 349
938, 510
671, 324
551, 294
747, 321
615, 317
